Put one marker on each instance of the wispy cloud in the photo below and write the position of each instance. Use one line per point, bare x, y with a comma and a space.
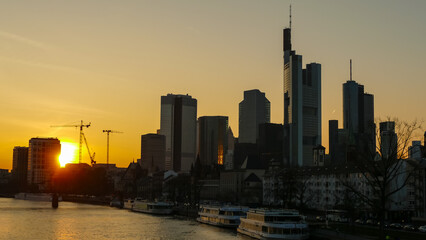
42, 65
24, 40
62, 68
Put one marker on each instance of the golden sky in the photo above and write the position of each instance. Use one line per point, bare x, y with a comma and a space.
109, 62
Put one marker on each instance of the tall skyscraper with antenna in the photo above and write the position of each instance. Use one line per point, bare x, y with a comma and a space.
302, 106
358, 115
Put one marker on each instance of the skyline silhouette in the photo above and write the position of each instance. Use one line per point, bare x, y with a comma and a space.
110, 63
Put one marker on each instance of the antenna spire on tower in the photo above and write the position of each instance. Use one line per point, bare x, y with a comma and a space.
350, 63
290, 16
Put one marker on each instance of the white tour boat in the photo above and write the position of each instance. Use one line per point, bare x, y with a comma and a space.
225, 216
274, 224
144, 206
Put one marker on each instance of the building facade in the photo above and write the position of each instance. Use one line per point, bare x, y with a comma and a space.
153, 152
179, 126
20, 166
253, 110
270, 142
388, 140
43, 161
229, 157
212, 140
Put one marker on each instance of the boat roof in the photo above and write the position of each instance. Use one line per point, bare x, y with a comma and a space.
225, 208
275, 212
154, 203
160, 203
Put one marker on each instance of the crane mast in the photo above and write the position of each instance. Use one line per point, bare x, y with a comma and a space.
92, 157
108, 132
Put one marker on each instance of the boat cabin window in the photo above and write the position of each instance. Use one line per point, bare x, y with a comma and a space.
275, 230
233, 213
213, 211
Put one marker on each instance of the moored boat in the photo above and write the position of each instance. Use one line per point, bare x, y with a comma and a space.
144, 206
274, 224
116, 203
222, 216
128, 204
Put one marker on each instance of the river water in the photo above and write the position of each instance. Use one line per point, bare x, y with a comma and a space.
23, 219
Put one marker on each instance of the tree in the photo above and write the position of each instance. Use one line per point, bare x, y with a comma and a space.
383, 171
295, 185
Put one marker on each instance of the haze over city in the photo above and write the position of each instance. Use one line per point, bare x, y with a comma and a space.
109, 62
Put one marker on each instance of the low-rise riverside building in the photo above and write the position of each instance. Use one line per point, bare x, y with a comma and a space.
325, 188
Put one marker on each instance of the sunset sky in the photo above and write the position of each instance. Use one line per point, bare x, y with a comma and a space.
109, 62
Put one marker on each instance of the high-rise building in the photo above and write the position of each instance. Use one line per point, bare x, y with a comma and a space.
369, 126
353, 107
212, 139
302, 106
20, 166
333, 141
270, 142
388, 140
358, 117
43, 161
415, 150
229, 157
253, 110
179, 125
153, 152
369, 134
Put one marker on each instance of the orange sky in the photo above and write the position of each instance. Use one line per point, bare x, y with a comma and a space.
108, 62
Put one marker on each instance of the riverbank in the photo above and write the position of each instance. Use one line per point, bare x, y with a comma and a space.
105, 201
7, 195
360, 232
180, 211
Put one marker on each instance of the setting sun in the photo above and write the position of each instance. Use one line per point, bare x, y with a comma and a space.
68, 153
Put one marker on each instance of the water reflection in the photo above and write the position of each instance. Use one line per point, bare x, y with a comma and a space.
22, 219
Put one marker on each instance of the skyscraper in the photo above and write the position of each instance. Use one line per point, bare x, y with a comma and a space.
302, 106
229, 157
358, 117
179, 125
333, 141
353, 107
212, 139
388, 141
153, 152
270, 142
43, 161
253, 110
20, 165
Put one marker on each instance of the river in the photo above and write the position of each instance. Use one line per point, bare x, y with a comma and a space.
24, 219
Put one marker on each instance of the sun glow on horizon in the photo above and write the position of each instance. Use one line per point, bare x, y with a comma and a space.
68, 153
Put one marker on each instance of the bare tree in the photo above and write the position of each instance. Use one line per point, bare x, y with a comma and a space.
295, 188
302, 194
384, 171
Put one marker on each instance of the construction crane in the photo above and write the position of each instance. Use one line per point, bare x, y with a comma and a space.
82, 136
92, 157
108, 132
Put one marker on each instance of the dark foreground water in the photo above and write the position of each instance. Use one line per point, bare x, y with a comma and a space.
23, 219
